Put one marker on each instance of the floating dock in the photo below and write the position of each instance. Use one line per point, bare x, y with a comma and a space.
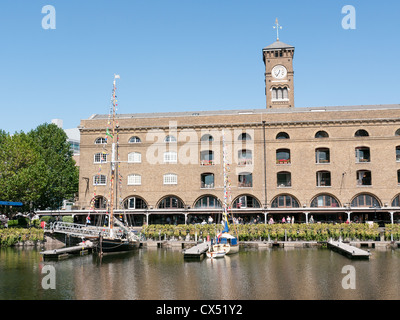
63, 253
196, 252
348, 250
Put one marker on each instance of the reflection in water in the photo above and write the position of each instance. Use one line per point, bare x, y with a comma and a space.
163, 274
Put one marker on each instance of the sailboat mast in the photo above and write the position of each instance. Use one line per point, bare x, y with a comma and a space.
113, 160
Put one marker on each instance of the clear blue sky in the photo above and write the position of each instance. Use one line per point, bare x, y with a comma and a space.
187, 55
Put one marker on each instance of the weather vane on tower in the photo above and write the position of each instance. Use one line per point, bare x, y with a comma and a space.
277, 27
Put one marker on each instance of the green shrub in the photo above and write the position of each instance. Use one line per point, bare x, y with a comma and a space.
69, 219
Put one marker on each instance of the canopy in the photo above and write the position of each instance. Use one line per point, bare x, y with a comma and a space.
8, 203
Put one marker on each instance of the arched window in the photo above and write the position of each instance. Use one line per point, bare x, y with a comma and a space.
321, 134
365, 200
171, 202
100, 141
245, 157
245, 180
245, 201
134, 179
323, 179
207, 180
274, 94
396, 201
99, 202
207, 201
280, 94
244, 136
285, 201
284, 179
135, 203
285, 93
283, 156
170, 178
207, 137
324, 201
397, 133
100, 157
135, 139
135, 157
170, 138
99, 180
361, 133
322, 155
282, 135
398, 153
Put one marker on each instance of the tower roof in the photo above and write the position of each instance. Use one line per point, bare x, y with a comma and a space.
278, 45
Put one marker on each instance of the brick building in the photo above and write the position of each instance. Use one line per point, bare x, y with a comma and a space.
332, 163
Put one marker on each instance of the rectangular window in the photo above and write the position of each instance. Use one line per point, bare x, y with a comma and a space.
134, 180
100, 157
135, 157
170, 179
99, 180
170, 157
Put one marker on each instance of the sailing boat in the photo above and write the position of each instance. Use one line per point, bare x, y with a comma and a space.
225, 241
118, 239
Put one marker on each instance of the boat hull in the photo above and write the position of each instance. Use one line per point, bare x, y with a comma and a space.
215, 254
116, 245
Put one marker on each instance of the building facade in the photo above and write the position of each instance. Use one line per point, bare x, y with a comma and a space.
332, 163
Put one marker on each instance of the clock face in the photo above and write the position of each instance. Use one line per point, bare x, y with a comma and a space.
279, 72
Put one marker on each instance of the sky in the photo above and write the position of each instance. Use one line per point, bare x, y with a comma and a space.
188, 55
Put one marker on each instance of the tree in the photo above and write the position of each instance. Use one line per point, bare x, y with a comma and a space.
59, 169
21, 178
37, 168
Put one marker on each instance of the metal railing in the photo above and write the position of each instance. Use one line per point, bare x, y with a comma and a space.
80, 230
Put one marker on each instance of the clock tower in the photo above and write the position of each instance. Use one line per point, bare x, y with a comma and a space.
278, 60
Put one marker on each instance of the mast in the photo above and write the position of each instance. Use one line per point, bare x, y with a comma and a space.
113, 156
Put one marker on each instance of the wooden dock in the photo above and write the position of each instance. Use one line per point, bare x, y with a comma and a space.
348, 250
196, 252
63, 253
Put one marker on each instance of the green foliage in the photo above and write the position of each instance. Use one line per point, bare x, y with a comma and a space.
274, 232
37, 168
10, 237
69, 219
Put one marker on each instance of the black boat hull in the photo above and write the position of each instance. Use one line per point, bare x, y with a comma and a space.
117, 245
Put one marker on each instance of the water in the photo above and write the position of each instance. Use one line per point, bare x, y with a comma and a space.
163, 274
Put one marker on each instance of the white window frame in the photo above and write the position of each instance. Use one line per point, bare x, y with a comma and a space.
170, 157
100, 157
170, 179
101, 178
134, 157
134, 179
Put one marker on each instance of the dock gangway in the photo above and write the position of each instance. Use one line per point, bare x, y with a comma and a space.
84, 231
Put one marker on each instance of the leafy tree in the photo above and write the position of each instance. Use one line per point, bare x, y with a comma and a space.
59, 169
21, 167
37, 168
